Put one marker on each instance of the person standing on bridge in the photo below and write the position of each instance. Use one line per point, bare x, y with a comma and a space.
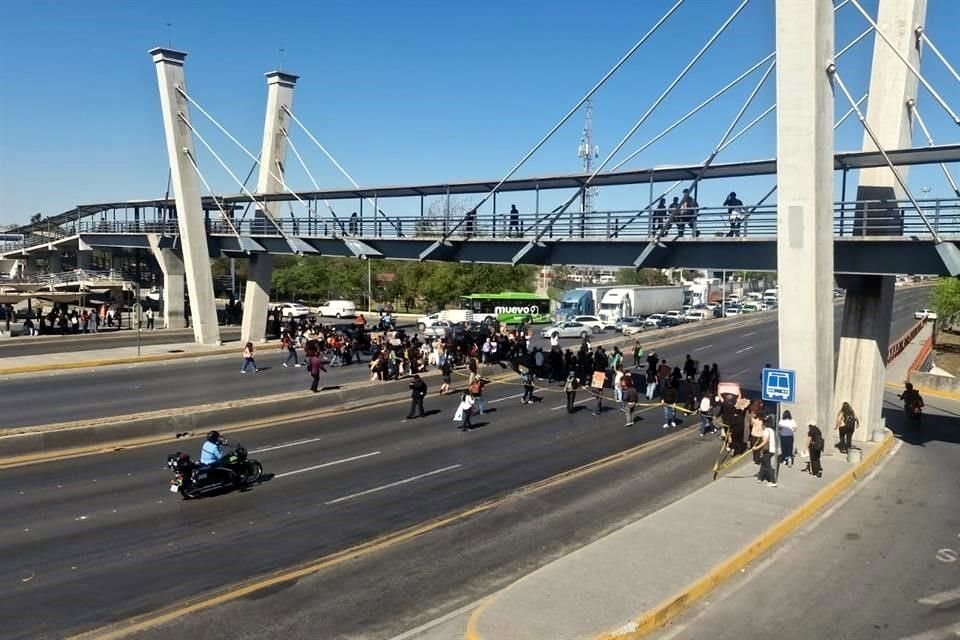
688, 212
514, 222
660, 225
735, 214
675, 217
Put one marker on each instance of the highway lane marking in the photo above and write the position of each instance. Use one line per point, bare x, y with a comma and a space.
942, 599
748, 334
284, 446
744, 349
406, 635
233, 592
516, 395
703, 348
326, 464
393, 484
741, 372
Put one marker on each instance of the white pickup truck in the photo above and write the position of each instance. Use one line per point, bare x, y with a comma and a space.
448, 315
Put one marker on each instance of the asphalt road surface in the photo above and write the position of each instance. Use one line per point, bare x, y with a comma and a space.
884, 565
107, 339
80, 394
97, 539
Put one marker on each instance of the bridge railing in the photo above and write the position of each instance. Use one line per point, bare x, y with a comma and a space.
850, 219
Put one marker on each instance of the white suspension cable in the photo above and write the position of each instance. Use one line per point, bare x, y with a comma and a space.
835, 76
849, 111
243, 187
747, 128
915, 112
569, 114
716, 95
650, 110
376, 207
316, 186
913, 70
223, 214
923, 36
692, 112
243, 148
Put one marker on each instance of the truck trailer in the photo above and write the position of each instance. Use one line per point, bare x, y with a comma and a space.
622, 302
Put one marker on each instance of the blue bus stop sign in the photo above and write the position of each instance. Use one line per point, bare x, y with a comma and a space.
778, 385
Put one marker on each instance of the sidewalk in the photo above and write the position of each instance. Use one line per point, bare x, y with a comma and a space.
898, 370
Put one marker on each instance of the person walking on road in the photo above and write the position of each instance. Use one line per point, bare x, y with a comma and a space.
526, 379
630, 400
314, 367
705, 412
787, 427
287, 342
637, 354
477, 383
446, 370
570, 389
668, 400
418, 391
248, 361
464, 411
846, 424
767, 447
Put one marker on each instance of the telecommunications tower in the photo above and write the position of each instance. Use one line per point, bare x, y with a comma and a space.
587, 151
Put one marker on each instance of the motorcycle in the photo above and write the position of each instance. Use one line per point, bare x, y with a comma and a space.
233, 471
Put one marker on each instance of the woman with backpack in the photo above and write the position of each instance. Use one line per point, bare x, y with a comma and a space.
846, 424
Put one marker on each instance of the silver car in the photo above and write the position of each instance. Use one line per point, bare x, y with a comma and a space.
567, 330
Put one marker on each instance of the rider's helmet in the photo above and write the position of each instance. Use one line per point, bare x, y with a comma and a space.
214, 437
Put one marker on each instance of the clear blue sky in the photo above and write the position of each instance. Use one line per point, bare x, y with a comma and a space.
400, 92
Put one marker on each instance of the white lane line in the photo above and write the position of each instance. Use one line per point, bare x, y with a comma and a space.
943, 633
516, 395
284, 446
406, 635
327, 464
703, 348
748, 334
744, 349
944, 598
741, 372
394, 484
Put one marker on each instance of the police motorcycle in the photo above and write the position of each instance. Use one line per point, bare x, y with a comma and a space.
232, 471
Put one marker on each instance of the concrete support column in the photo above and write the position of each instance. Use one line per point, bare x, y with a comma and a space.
804, 34
54, 264
272, 156
868, 306
84, 260
186, 189
171, 264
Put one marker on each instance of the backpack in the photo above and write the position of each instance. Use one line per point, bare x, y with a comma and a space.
817, 444
850, 421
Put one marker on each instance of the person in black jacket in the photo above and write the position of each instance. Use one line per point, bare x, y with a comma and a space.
418, 390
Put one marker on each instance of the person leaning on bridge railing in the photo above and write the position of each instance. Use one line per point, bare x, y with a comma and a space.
735, 213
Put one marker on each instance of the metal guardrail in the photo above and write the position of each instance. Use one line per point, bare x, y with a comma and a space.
850, 219
897, 347
924, 360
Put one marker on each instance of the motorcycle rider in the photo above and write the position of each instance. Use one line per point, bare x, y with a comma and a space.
212, 450
912, 402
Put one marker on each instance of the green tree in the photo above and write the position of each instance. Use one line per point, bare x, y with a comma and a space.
642, 277
945, 300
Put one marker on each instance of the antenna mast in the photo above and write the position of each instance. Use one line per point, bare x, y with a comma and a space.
587, 151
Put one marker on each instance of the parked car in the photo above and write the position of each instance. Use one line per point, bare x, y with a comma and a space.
596, 324
625, 320
733, 310
290, 310
570, 329
695, 315
925, 314
676, 315
751, 307
337, 309
654, 321
635, 326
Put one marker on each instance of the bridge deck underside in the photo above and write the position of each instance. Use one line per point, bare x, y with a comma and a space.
870, 255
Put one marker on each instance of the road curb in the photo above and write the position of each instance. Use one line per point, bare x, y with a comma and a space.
89, 364
672, 607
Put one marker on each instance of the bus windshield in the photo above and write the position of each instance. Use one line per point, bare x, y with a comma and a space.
509, 307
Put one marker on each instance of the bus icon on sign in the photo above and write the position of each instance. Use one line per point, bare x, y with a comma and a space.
778, 385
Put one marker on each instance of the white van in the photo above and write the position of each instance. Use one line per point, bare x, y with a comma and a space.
337, 309
771, 297
452, 316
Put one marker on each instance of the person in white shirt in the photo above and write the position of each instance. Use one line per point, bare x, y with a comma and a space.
464, 410
786, 427
767, 446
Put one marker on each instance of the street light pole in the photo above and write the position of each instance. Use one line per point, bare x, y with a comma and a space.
369, 286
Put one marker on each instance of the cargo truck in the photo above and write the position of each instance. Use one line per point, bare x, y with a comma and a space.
622, 302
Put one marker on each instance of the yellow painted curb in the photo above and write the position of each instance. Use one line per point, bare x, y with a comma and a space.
927, 391
87, 364
230, 593
676, 604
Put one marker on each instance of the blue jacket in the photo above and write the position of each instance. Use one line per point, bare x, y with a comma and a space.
210, 453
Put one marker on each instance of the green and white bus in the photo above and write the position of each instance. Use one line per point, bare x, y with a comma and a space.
508, 307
